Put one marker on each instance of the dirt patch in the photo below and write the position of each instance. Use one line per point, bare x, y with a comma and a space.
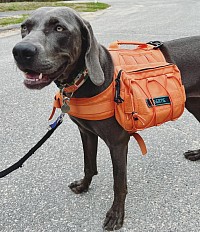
9, 32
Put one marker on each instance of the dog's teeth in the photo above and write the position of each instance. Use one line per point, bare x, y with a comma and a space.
40, 76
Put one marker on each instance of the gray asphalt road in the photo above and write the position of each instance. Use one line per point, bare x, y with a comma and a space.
164, 188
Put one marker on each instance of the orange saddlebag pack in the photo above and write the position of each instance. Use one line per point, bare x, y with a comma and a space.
148, 90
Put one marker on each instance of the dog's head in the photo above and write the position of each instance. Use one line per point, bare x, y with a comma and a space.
56, 40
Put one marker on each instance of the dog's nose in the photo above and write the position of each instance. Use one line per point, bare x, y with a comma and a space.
24, 52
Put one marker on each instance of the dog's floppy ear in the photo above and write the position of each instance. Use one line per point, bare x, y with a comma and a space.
92, 56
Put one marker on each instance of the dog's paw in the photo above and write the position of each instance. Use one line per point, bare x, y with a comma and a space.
114, 219
79, 186
192, 155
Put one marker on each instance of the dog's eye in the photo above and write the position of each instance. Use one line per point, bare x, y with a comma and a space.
24, 28
59, 28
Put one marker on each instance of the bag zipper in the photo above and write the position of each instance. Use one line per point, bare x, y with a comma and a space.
146, 69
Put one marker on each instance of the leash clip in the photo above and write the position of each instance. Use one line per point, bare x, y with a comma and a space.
57, 122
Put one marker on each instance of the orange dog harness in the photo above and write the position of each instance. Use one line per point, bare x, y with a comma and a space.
146, 91
95, 108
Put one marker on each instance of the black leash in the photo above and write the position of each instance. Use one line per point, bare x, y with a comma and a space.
19, 164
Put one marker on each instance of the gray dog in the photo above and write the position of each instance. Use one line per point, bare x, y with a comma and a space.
57, 44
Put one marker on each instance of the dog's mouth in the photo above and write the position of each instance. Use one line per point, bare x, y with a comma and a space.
38, 80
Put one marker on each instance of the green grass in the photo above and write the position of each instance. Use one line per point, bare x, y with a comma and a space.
18, 6
12, 20
82, 7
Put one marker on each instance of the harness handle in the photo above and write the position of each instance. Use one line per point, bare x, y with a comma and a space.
115, 45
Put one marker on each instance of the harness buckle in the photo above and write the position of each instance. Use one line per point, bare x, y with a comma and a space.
156, 44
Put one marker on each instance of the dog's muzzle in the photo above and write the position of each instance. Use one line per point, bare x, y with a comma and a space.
25, 54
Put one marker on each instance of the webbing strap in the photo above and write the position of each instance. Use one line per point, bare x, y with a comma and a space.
141, 143
98, 107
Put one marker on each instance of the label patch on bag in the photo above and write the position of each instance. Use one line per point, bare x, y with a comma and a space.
158, 101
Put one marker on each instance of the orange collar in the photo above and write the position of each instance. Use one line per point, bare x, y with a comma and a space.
77, 83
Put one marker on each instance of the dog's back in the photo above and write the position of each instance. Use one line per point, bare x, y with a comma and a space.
185, 53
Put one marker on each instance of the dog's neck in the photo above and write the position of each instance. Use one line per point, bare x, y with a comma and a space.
88, 89
68, 77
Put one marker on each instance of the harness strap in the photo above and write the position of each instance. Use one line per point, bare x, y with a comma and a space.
140, 142
102, 105
56, 104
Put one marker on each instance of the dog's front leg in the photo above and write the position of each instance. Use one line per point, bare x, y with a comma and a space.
115, 216
90, 142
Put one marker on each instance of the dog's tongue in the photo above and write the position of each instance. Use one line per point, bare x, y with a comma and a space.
35, 76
